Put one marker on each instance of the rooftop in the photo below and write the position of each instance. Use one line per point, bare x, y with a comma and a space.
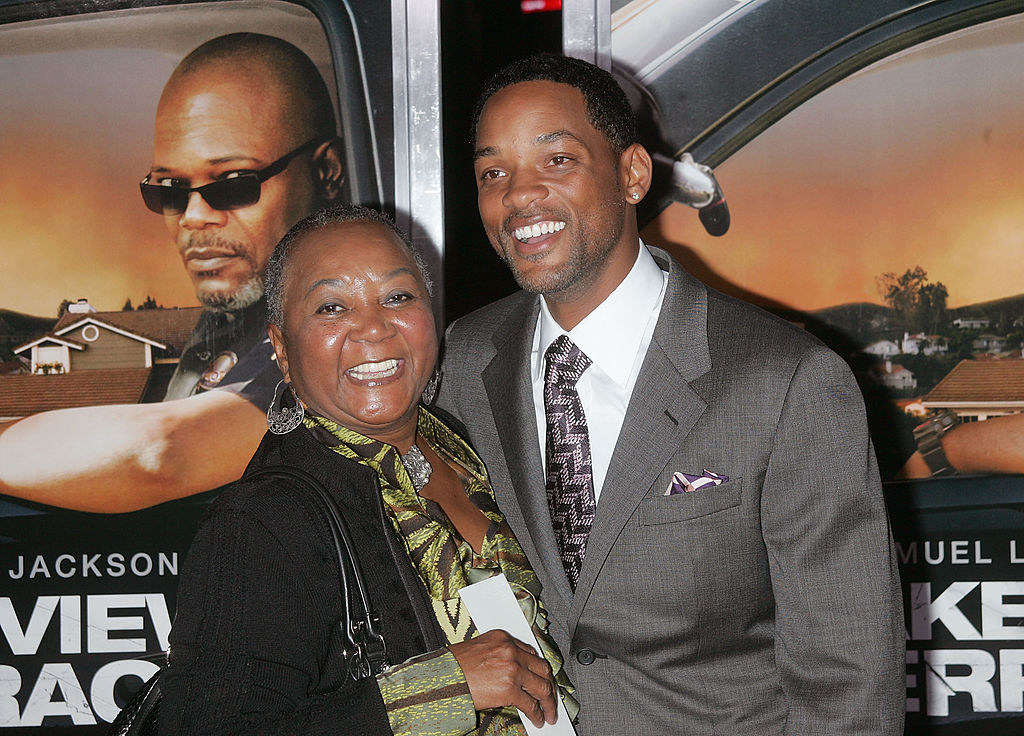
171, 327
981, 380
24, 394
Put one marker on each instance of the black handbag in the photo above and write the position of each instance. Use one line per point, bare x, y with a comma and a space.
364, 650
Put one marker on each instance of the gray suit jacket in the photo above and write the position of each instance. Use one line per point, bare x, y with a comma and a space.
768, 605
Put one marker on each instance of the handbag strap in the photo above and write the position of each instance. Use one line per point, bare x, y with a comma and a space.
365, 648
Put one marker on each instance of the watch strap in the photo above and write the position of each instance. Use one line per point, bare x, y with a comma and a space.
929, 442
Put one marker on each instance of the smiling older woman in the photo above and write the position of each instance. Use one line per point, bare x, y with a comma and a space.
252, 647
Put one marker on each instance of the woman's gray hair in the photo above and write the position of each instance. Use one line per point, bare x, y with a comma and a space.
274, 276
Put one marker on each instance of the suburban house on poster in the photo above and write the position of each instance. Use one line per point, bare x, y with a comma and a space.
882, 349
972, 323
922, 344
893, 375
979, 389
92, 358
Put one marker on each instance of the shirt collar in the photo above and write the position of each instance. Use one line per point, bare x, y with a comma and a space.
611, 334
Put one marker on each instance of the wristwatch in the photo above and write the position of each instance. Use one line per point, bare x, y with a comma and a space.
928, 436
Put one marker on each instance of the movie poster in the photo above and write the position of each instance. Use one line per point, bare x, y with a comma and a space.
877, 204
128, 375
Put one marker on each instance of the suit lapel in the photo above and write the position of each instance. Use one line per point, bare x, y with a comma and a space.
510, 395
662, 410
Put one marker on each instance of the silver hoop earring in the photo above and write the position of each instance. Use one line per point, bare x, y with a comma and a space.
283, 419
430, 391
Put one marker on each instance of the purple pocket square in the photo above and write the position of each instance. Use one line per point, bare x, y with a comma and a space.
687, 483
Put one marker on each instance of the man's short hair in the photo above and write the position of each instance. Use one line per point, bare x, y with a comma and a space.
289, 65
607, 107
277, 266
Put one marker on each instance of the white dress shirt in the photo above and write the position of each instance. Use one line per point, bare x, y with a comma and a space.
615, 336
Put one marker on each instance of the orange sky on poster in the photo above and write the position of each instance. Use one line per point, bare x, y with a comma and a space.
95, 242
823, 243
917, 161
74, 143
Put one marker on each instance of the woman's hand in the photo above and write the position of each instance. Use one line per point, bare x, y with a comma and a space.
501, 670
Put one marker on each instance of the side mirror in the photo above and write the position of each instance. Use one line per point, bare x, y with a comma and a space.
694, 184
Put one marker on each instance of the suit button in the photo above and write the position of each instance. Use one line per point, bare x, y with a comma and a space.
586, 656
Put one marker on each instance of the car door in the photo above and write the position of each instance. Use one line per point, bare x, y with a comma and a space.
95, 306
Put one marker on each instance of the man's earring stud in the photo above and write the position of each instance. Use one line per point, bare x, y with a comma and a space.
635, 195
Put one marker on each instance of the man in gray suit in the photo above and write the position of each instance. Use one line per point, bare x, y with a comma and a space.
691, 477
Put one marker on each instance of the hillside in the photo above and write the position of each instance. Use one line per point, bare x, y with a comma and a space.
1001, 311
860, 322
17, 328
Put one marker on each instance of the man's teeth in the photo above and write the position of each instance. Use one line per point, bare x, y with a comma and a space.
383, 369
537, 229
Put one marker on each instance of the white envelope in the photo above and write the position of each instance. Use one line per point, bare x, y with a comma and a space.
492, 605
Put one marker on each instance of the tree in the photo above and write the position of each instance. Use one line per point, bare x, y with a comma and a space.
127, 305
918, 304
148, 303
931, 306
64, 304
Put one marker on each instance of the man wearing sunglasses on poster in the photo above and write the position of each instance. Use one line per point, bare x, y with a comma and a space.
245, 145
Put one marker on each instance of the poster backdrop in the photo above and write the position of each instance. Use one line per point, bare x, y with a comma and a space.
100, 305
882, 212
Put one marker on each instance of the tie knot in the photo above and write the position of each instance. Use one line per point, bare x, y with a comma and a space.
565, 362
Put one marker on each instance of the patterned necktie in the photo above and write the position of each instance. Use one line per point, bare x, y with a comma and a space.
570, 479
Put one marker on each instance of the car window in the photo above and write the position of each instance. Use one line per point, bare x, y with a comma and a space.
884, 215
96, 310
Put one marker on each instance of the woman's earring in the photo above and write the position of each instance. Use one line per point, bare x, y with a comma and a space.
430, 391
283, 419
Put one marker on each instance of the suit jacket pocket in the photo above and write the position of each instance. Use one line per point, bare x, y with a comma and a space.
682, 506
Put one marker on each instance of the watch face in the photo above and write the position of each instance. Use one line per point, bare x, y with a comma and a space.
937, 425
924, 429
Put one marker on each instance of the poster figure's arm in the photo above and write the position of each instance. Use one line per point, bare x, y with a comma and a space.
126, 457
995, 445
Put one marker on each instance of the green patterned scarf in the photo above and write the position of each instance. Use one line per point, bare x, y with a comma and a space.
445, 562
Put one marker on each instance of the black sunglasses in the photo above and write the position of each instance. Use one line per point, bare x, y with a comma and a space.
226, 194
